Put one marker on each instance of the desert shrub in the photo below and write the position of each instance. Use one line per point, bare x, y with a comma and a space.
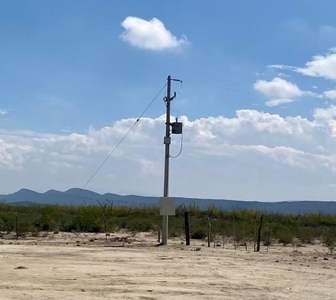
176, 226
68, 227
179, 212
173, 234
88, 220
238, 235
213, 212
329, 240
2, 224
8, 222
241, 223
24, 225
137, 224
198, 233
306, 235
268, 242
284, 236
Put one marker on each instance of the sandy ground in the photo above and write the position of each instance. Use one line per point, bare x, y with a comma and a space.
85, 266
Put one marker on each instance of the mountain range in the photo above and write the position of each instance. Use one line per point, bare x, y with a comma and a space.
78, 197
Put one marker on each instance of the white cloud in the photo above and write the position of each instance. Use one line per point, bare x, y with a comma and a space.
280, 91
12, 155
260, 151
320, 66
325, 113
277, 102
283, 75
330, 94
3, 112
150, 35
327, 117
278, 88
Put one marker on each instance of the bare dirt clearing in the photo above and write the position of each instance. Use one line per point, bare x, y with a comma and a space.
85, 266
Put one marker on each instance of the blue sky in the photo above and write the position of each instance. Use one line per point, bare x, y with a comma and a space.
257, 99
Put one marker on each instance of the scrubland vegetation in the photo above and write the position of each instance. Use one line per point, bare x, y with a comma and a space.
239, 225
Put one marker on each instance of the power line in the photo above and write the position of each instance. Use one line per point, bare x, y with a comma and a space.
120, 142
230, 89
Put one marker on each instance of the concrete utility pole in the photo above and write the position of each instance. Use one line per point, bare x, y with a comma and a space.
167, 141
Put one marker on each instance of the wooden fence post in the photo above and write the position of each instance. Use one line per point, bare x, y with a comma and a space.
186, 227
259, 233
159, 237
209, 232
17, 227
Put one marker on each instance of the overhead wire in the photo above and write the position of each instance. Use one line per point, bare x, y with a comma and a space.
129, 130
121, 141
230, 89
127, 133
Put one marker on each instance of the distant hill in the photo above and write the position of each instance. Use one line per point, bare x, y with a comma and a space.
77, 197
73, 197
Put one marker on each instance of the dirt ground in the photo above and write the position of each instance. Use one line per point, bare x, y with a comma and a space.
86, 266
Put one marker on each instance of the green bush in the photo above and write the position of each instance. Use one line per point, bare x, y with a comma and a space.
306, 235
102, 217
198, 234
329, 240
285, 237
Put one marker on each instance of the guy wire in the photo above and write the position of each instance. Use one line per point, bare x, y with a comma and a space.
120, 142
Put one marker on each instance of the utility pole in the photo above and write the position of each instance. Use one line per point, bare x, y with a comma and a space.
166, 165
167, 141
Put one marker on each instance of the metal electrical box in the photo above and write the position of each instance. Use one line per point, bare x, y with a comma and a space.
167, 206
176, 127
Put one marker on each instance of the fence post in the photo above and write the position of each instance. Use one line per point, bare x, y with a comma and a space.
259, 233
186, 227
209, 232
159, 237
17, 227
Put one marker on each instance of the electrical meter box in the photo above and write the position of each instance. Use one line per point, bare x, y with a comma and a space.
176, 127
167, 206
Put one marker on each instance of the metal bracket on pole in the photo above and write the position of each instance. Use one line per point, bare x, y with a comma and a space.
167, 140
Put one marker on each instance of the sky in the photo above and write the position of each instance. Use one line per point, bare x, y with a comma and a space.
257, 101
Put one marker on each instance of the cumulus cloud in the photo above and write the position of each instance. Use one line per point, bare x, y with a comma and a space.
248, 128
325, 113
319, 66
252, 148
280, 91
3, 112
12, 155
331, 94
278, 88
150, 35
